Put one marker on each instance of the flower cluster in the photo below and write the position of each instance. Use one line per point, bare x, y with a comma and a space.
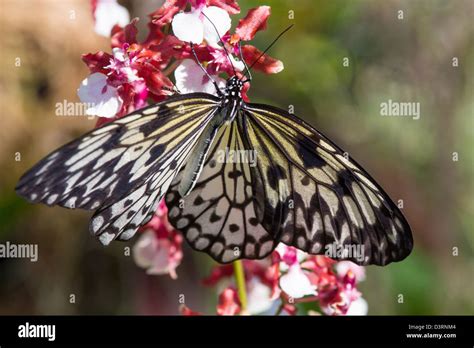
287, 278
136, 73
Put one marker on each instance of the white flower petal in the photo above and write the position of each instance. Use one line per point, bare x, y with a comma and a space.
188, 27
238, 64
107, 14
152, 254
343, 267
221, 20
358, 307
119, 54
145, 249
258, 297
189, 78
104, 99
281, 249
296, 284
130, 73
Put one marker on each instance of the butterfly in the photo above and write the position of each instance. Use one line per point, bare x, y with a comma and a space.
238, 178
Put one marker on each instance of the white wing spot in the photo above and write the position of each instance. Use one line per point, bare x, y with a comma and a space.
106, 237
97, 223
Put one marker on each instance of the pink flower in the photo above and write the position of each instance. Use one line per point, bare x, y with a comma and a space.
134, 75
229, 303
138, 71
342, 267
296, 284
336, 292
261, 283
159, 247
194, 27
201, 23
294, 281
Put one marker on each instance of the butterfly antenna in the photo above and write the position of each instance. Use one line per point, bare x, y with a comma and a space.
247, 70
222, 42
266, 50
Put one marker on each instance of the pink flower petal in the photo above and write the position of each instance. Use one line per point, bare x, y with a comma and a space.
97, 62
229, 303
255, 20
231, 6
166, 12
126, 35
265, 63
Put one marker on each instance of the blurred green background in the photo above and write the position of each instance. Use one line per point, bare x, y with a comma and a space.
407, 60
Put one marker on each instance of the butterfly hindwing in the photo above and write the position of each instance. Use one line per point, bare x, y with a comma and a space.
222, 214
329, 200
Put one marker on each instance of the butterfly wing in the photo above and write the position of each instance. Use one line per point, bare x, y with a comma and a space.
123, 168
325, 200
221, 215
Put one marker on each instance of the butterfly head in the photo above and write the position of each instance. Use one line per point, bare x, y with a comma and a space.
233, 87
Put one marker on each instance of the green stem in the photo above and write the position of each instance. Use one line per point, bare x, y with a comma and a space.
280, 308
239, 275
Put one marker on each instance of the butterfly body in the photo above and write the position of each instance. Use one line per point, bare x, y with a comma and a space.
232, 98
284, 182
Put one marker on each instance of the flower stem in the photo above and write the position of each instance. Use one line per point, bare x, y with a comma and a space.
239, 275
280, 308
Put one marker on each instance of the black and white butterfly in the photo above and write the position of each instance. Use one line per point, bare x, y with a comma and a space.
300, 189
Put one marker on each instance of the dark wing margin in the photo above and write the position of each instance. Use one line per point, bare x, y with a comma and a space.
122, 168
328, 203
221, 215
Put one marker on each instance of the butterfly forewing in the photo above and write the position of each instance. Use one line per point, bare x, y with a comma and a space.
123, 168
